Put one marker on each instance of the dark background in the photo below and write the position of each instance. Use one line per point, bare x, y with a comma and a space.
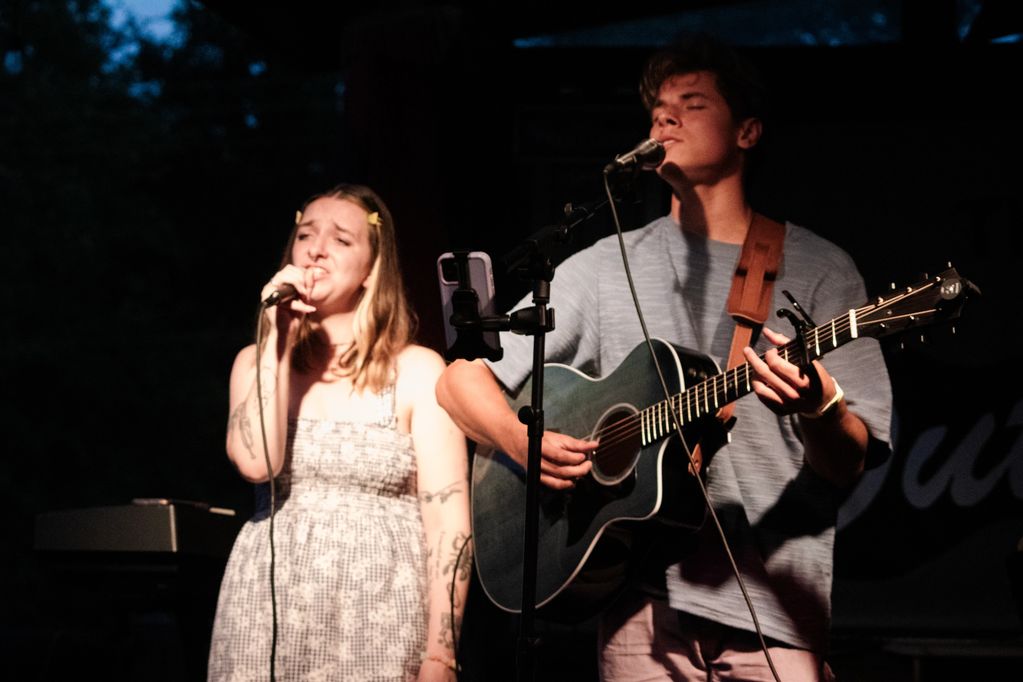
146, 199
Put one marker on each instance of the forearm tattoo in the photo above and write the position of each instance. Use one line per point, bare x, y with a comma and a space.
241, 418
441, 495
435, 556
457, 565
447, 631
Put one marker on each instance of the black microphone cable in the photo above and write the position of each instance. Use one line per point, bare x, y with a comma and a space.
678, 430
451, 595
272, 483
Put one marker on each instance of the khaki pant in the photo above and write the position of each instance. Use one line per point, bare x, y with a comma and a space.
641, 640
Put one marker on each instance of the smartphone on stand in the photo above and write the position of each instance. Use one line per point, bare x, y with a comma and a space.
481, 280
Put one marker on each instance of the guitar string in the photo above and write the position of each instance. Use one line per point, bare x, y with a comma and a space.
683, 398
624, 429
834, 327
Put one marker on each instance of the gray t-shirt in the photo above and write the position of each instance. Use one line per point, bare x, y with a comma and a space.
778, 515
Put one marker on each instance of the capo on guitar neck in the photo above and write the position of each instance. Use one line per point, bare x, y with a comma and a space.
801, 324
807, 320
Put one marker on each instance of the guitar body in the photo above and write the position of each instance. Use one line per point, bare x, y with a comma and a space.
586, 538
589, 535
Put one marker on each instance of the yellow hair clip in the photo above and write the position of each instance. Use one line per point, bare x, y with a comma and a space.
298, 217
374, 219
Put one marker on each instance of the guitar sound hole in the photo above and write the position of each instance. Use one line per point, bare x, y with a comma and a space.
618, 452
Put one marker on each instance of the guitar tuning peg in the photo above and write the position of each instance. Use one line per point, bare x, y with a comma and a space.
892, 285
923, 339
902, 345
926, 276
948, 264
953, 330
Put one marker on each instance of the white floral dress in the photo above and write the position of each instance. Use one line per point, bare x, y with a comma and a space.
350, 562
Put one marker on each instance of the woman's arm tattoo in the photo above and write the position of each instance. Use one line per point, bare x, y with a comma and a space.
241, 417
458, 566
443, 494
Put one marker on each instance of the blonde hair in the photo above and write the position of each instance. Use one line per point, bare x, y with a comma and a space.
383, 322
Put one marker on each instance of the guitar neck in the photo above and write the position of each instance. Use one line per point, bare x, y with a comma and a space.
939, 298
710, 395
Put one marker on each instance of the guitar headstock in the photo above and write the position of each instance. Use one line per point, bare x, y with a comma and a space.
936, 299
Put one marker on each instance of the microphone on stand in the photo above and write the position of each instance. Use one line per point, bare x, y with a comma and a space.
647, 155
282, 294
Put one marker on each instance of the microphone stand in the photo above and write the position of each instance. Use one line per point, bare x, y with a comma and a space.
531, 260
537, 320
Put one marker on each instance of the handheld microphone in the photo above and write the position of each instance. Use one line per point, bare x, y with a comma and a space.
282, 294
647, 155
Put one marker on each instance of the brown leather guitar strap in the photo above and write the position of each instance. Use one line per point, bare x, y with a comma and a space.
750, 299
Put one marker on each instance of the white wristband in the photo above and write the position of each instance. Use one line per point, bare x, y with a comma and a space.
837, 398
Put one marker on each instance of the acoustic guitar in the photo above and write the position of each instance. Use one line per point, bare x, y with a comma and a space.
587, 535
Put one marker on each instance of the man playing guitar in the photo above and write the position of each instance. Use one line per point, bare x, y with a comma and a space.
792, 454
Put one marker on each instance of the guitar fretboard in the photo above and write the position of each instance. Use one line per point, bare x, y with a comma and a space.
710, 395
